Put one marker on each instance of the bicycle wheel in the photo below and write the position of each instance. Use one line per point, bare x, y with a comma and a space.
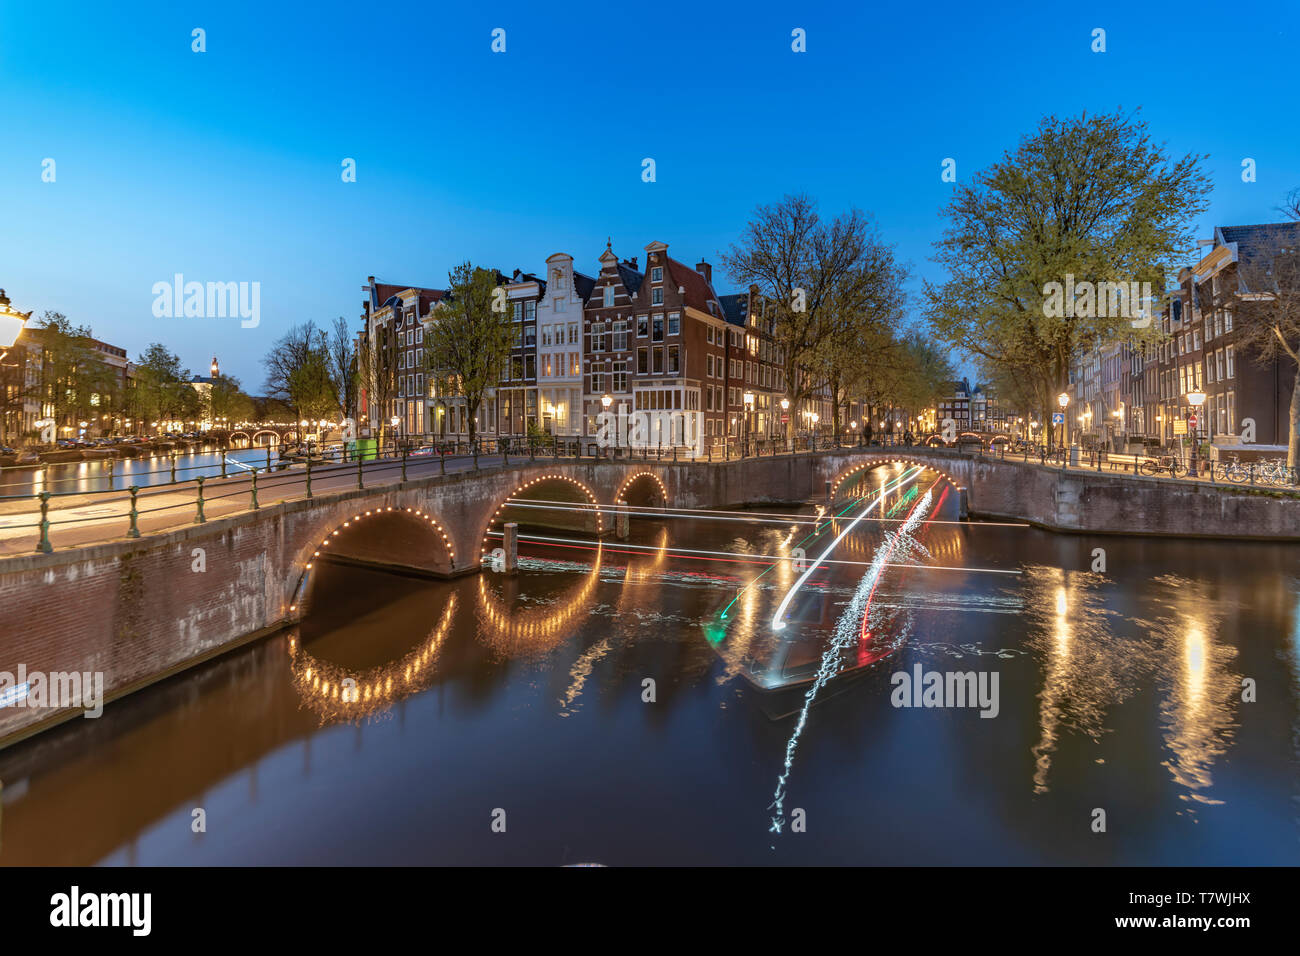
1179, 469
1149, 468
1235, 472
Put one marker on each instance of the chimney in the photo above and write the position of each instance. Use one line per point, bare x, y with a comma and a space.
631, 262
706, 270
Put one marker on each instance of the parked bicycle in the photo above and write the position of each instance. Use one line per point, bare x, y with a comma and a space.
1162, 465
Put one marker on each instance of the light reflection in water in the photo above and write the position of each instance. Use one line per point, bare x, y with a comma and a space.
340, 693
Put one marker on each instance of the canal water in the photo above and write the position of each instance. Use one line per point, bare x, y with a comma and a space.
118, 474
646, 701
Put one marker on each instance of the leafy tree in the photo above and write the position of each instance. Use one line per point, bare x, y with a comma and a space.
162, 387
1090, 197
470, 337
226, 399
77, 382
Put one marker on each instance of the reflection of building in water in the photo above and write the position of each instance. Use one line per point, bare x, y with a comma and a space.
1198, 709
517, 633
341, 693
1086, 670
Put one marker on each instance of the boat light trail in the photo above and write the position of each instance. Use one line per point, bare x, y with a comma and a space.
752, 517
735, 557
846, 633
905, 478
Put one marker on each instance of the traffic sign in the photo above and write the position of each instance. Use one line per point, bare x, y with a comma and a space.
1191, 421
1180, 427
1058, 418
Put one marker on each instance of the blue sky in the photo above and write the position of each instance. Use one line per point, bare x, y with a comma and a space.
225, 165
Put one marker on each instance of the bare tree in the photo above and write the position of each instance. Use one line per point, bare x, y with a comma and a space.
342, 364
814, 271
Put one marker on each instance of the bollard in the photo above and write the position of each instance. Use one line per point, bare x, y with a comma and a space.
309, 474
403, 463
199, 519
223, 465
360, 462
45, 545
134, 530
442, 461
268, 457
173, 457
255, 504
510, 545
110, 474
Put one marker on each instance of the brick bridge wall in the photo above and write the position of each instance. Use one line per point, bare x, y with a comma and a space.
139, 610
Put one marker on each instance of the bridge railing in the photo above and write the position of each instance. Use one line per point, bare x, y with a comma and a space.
192, 490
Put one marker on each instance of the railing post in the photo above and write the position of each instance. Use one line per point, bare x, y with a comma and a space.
268, 457
360, 461
199, 518
442, 461
403, 463
110, 473
308, 474
255, 505
223, 464
173, 457
45, 545
134, 530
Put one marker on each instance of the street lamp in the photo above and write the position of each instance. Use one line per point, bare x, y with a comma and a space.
1063, 400
748, 399
11, 324
1196, 400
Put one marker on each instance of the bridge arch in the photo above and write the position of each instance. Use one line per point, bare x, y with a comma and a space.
505, 503
240, 439
864, 466
272, 441
369, 538
640, 480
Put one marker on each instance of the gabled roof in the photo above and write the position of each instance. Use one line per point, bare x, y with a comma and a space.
1258, 244
735, 306
584, 285
698, 292
630, 277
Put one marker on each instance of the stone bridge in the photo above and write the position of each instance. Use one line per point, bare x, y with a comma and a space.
141, 609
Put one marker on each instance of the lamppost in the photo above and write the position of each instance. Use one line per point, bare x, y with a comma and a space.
606, 401
1063, 400
1196, 400
785, 408
748, 399
11, 324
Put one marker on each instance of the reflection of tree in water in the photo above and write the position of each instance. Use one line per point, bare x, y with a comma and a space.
1199, 688
1086, 669
340, 693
